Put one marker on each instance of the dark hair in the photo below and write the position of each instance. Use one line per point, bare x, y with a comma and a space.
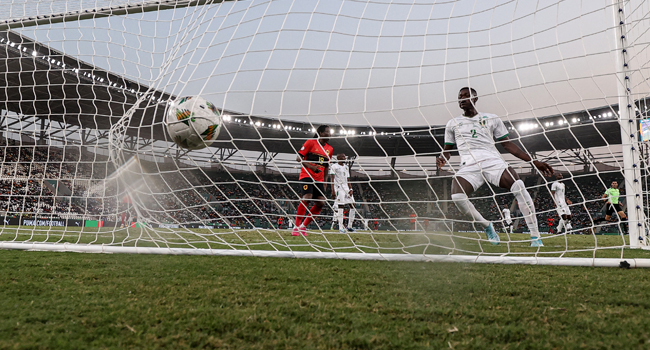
470, 89
320, 130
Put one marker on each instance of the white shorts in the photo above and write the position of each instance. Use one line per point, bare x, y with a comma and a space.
563, 210
490, 169
508, 223
343, 197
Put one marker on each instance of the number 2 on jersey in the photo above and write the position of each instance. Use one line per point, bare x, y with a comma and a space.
473, 131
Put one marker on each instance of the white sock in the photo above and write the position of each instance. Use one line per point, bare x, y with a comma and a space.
560, 225
526, 206
340, 217
511, 227
568, 226
467, 208
351, 218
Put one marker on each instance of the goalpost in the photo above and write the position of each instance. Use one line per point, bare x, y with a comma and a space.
88, 165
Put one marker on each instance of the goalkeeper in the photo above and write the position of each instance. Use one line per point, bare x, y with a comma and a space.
473, 134
611, 197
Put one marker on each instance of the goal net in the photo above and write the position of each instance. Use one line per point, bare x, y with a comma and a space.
89, 164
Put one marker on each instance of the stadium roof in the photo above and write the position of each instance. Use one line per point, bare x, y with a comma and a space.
42, 82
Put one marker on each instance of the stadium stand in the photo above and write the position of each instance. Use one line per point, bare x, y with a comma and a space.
57, 182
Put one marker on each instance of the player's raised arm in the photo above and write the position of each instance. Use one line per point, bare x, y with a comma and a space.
513, 149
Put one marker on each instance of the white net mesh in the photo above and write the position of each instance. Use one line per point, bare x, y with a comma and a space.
85, 142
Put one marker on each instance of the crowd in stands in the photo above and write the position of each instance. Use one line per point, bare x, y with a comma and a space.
24, 175
42, 180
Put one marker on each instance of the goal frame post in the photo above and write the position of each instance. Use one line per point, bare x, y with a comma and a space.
101, 12
480, 259
629, 133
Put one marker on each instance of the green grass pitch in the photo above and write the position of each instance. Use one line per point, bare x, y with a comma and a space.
117, 301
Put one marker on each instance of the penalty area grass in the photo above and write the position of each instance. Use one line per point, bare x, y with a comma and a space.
118, 301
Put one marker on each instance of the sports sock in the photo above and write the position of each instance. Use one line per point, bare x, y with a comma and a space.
314, 210
340, 217
560, 225
526, 206
467, 208
351, 218
568, 226
300, 213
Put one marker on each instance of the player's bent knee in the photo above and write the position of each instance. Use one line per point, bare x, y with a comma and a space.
460, 199
518, 186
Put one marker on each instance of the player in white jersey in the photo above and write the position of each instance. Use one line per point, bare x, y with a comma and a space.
473, 134
342, 192
558, 190
507, 220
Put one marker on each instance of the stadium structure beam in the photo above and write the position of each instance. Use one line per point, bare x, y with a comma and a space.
50, 134
266, 157
146, 142
71, 132
180, 153
225, 153
351, 160
84, 136
43, 132
101, 12
20, 120
585, 156
26, 121
101, 135
393, 173
131, 142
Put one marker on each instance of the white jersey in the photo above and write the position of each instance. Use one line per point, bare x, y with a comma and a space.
341, 174
506, 215
474, 137
559, 189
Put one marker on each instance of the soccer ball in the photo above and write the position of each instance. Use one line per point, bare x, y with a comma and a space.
192, 122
